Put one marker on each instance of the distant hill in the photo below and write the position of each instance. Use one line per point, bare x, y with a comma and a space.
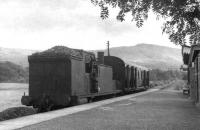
148, 55
17, 56
14, 62
10, 72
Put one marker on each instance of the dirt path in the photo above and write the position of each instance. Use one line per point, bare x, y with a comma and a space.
176, 85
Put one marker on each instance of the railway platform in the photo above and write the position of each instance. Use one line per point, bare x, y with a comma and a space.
151, 110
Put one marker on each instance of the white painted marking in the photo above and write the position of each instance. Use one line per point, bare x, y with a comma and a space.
37, 118
155, 89
132, 99
125, 104
106, 108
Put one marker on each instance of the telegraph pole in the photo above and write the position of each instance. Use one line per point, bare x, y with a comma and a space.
108, 45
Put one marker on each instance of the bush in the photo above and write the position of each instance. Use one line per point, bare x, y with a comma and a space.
157, 74
16, 112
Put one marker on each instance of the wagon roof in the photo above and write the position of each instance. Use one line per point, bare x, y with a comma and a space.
135, 65
58, 51
115, 58
130, 63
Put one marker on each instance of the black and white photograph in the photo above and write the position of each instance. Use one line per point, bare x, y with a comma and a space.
99, 64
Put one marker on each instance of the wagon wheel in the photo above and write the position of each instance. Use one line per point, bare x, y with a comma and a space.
89, 99
114, 95
74, 101
41, 109
49, 107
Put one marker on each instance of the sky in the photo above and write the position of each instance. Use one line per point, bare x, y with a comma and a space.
42, 24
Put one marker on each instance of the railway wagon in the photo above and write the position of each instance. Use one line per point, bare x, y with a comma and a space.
118, 66
137, 78
129, 77
61, 76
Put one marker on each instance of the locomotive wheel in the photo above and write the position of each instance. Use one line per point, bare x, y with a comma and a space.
44, 109
114, 95
89, 99
50, 107
41, 109
74, 101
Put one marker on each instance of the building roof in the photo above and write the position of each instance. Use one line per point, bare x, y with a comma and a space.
135, 65
193, 53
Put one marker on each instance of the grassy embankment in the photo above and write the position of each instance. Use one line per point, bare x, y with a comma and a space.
10, 95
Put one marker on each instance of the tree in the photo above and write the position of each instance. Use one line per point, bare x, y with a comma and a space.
182, 16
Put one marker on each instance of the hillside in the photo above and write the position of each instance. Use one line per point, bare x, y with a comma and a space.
17, 56
150, 56
14, 63
10, 72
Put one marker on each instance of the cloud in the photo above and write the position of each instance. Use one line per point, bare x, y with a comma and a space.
46, 3
44, 15
43, 23
110, 27
36, 14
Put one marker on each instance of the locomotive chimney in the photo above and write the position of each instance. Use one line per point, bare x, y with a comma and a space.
100, 56
108, 45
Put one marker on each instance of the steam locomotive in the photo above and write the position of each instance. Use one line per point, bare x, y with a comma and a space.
61, 76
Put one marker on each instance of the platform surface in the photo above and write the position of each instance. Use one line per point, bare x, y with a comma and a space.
159, 110
38, 118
